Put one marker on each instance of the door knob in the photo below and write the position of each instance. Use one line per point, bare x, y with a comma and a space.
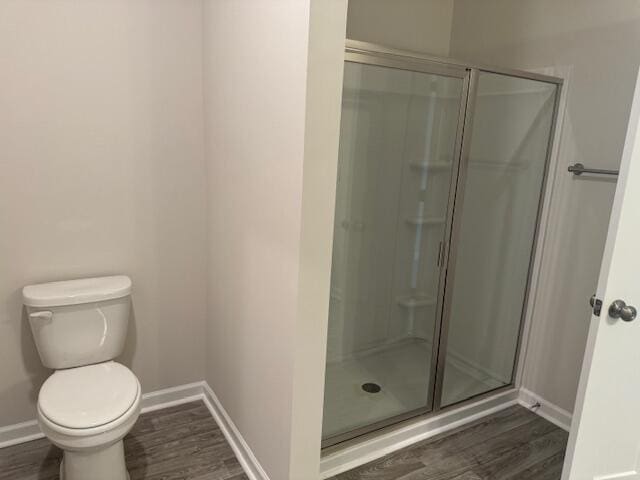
619, 309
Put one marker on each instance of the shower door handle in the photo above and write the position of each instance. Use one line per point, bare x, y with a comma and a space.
440, 254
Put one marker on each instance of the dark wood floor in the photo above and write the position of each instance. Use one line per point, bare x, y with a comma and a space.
181, 442
184, 442
514, 444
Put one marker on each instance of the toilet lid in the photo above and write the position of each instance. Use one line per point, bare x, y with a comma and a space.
90, 396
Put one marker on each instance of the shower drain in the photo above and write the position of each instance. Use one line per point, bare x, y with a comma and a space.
371, 387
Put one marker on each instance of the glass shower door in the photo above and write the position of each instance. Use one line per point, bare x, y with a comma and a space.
496, 217
398, 155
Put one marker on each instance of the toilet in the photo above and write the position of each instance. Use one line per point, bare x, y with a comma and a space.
90, 402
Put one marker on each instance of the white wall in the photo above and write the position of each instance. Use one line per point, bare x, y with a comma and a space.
322, 131
598, 40
271, 186
255, 96
102, 172
419, 25
107, 168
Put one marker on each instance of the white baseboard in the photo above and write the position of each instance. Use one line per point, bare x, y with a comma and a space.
546, 410
19, 433
373, 448
168, 397
243, 452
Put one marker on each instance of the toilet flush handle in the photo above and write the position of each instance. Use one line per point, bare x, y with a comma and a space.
43, 316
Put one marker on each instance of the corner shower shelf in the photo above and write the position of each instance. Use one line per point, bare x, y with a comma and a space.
415, 301
435, 166
429, 221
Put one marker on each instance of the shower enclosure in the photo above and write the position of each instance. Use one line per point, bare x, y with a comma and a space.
441, 174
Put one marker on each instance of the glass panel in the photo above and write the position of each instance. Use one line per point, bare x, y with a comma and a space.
510, 136
398, 135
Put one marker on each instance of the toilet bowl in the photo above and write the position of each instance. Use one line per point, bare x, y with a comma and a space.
90, 402
87, 411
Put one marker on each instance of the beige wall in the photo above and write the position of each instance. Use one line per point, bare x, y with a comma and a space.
598, 42
321, 138
254, 124
420, 25
101, 172
267, 329
106, 168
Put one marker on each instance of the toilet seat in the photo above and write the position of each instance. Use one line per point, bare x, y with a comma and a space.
84, 398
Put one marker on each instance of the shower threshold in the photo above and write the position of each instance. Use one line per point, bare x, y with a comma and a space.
360, 450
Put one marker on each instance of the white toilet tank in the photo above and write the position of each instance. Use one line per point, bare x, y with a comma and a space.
79, 322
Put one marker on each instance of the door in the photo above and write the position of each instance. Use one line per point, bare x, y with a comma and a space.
398, 159
604, 442
504, 165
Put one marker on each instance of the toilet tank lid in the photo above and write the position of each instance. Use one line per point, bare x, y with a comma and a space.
75, 292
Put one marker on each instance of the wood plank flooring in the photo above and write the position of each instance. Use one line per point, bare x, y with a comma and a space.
181, 442
513, 444
184, 442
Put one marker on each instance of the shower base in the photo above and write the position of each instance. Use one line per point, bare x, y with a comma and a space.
402, 371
